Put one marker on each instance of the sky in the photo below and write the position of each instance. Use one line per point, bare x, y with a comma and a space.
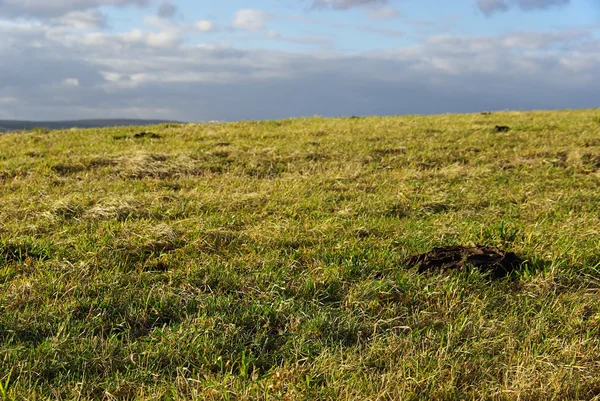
201, 60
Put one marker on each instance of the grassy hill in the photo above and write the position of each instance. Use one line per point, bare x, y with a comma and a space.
264, 260
14, 125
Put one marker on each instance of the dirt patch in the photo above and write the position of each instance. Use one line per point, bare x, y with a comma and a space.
147, 134
100, 162
486, 259
591, 160
67, 169
397, 210
11, 175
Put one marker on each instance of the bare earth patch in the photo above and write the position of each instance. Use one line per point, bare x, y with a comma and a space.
486, 259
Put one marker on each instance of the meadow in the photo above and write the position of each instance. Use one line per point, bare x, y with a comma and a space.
264, 260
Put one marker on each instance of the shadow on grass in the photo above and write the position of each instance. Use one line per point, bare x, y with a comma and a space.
11, 251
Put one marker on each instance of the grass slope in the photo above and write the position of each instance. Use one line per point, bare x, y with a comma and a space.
262, 260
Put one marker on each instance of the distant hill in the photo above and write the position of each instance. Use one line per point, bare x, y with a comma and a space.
13, 125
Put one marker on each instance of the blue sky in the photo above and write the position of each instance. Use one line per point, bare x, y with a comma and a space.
231, 59
357, 29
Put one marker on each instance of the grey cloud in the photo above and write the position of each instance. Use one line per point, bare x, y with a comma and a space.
122, 77
166, 10
54, 8
489, 7
540, 4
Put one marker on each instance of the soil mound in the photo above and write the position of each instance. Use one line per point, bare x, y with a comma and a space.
147, 134
486, 259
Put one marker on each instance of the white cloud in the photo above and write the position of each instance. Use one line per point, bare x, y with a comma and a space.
87, 19
111, 76
151, 39
92, 44
250, 20
347, 4
206, 26
301, 40
71, 82
533, 40
383, 13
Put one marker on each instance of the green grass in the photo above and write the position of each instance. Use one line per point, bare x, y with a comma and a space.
263, 260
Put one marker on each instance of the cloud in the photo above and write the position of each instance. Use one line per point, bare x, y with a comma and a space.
55, 8
383, 13
489, 7
379, 9
158, 75
540, 4
301, 40
71, 82
273, 34
166, 10
206, 26
380, 31
82, 20
151, 39
347, 4
250, 20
